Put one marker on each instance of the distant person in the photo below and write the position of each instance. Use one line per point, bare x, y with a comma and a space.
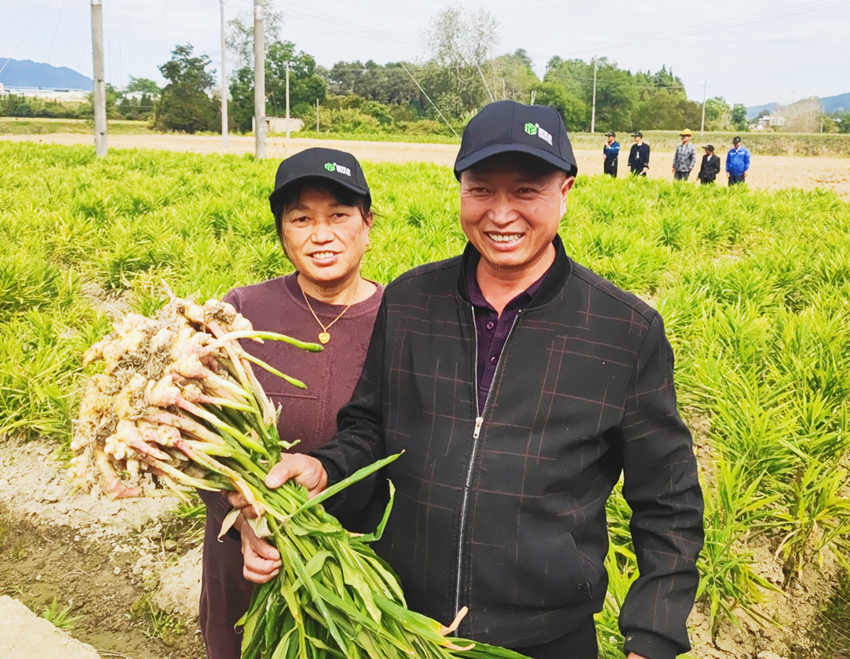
639, 156
737, 162
709, 167
611, 151
685, 157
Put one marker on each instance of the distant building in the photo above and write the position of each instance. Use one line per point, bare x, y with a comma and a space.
278, 125
769, 122
48, 94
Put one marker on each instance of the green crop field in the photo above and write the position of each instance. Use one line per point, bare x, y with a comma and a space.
754, 288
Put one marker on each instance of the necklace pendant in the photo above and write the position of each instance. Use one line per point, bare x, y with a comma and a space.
324, 337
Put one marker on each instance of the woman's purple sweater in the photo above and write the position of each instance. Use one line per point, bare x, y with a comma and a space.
308, 415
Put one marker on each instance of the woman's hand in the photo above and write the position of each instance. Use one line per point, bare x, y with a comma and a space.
302, 469
261, 560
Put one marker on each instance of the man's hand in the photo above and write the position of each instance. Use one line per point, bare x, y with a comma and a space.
645, 170
297, 467
261, 560
745, 174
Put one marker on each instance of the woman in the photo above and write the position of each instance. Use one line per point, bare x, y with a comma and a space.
322, 209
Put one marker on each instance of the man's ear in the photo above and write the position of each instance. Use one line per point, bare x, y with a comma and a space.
566, 186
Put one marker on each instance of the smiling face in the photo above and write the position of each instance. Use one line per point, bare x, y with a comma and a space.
325, 237
510, 209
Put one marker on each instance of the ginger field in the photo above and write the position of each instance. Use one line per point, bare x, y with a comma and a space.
754, 287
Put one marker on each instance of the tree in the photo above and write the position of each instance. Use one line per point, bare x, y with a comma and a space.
186, 103
239, 35
718, 114
573, 110
804, 116
305, 85
143, 85
739, 116
461, 43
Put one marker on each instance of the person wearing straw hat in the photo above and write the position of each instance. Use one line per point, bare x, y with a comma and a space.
684, 158
709, 167
520, 386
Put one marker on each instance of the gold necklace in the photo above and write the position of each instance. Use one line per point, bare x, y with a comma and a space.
324, 335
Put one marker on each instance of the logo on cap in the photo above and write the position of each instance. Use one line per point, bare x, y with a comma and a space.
333, 167
542, 133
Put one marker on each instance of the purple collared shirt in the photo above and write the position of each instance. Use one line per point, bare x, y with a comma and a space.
493, 329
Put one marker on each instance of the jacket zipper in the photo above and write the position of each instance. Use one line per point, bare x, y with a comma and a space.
476, 433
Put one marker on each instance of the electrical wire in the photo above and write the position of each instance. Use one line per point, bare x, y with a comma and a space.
23, 38
416, 82
55, 32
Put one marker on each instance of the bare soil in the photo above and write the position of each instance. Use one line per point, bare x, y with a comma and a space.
767, 172
108, 561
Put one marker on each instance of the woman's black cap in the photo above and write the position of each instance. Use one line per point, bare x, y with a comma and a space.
327, 164
511, 127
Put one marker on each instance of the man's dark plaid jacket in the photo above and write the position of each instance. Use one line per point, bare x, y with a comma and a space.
504, 511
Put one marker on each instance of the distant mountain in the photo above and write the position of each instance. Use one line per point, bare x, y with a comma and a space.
755, 110
25, 73
840, 103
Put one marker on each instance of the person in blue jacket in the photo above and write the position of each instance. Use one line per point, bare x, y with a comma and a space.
611, 151
737, 162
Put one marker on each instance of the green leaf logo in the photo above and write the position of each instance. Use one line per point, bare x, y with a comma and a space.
531, 129
330, 166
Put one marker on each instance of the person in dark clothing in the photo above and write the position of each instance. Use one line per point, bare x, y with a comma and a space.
323, 222
639, 156
611, 152
520, 385
709, 167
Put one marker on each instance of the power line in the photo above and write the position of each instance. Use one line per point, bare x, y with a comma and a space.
55, 32
408, 72
9, 59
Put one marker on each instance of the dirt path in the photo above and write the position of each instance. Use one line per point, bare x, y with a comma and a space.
768, 172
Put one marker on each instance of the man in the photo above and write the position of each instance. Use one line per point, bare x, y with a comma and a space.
737, 162
709, 167
639, 156
611, 152
519, 386
685, 157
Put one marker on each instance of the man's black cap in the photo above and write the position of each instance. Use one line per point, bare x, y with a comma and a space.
637, 134
736, 140
708, 147
328, 164
511, 127
611, 134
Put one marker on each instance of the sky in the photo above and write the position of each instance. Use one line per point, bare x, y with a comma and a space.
748, 51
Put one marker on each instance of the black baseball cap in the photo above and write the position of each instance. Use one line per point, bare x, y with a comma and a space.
511, 127
637, 134
708, 147
327, 164
736, 140
611, 134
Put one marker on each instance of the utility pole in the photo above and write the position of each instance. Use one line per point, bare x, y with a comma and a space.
593, 110
99, 81
702, 124
223, 81
287, 100
317, 115
259, 81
